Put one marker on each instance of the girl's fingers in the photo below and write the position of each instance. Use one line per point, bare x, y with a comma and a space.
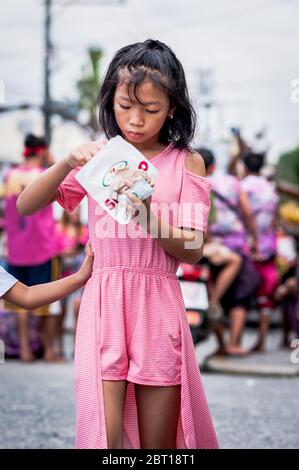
98, 144
89, 152
96, 148
82, 155
133, 198
128, 183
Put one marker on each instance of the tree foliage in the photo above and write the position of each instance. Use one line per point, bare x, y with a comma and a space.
88, 86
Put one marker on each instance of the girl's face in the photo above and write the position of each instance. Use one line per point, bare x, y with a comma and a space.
141, 122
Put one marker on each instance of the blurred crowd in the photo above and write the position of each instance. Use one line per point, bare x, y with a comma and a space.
250, 252
250, 255
38, 249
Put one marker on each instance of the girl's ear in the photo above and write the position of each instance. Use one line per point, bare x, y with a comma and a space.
171, 112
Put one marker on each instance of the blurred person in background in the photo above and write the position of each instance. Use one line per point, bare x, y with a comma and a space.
229, 231
216, 253
263, 200
287, 292
73, 238
32, 245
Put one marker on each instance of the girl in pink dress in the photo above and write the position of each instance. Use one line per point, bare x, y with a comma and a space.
136, 377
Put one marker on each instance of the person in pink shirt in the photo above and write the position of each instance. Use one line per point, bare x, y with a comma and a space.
32, 244
263, 200
137, 379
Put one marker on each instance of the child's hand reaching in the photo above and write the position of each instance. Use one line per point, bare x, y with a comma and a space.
79, 156
139, 206
85, 271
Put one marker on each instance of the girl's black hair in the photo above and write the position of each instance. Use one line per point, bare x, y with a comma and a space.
32, 141
149, 60
253, 161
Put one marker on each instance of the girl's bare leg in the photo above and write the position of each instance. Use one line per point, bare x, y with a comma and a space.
238, 318
48, 336
114, 399
219, 330
60, 330
263, 330
226, 277
158, 414
23, 328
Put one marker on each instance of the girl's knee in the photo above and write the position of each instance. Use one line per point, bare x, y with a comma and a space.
236, 259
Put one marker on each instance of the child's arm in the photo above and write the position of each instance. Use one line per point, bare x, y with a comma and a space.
43, 190
43, 294
185, 244
249, 220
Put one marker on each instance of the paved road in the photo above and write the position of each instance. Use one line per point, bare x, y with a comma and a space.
37, 408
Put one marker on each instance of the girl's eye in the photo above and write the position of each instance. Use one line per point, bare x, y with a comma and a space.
124, 107
152, 112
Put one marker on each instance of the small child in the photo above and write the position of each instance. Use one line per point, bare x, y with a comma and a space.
32, 297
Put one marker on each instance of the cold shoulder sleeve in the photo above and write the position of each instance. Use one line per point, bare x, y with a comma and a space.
194, 203
71, 192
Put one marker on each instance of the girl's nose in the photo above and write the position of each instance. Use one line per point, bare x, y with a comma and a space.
136, 118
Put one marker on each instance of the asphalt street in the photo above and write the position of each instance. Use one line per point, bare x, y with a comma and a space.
37, 408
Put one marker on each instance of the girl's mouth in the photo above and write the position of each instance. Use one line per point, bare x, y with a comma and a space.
135, 135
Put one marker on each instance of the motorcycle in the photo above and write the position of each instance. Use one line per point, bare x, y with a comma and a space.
194, 285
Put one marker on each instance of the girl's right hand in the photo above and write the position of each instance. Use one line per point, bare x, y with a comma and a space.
79, 156
85, 270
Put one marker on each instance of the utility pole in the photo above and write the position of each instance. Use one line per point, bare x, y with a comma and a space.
47, 108
206, 99
51, 107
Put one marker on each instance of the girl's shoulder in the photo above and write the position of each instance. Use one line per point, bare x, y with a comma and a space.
194, 163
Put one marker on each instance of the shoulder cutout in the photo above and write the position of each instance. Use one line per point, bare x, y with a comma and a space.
195, 163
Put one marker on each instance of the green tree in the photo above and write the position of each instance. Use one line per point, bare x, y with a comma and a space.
88, 87
287, 174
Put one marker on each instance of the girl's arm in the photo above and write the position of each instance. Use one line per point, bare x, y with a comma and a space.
43, 294
185, 244
44, 190
249, 220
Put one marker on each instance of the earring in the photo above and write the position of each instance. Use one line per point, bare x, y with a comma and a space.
170, 116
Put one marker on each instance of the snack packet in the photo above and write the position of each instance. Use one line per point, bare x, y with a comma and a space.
103, 177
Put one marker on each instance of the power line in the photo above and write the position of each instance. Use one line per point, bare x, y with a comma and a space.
49, 105
47, 71
89, 3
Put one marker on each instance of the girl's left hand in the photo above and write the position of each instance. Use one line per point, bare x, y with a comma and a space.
139, 206
85, 270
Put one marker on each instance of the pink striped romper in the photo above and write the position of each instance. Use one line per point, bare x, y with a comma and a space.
132, 323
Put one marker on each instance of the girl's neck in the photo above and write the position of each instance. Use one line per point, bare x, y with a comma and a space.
32, 162
150, 148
